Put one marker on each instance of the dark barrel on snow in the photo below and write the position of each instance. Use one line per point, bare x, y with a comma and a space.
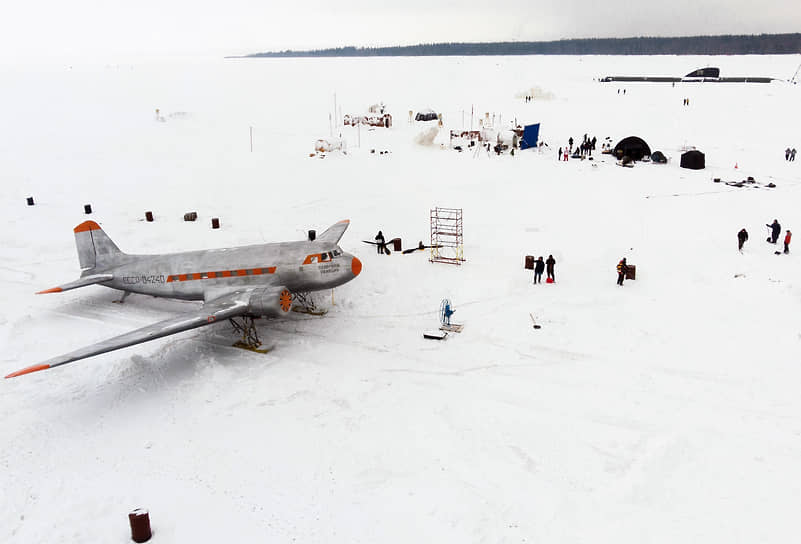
87, 208
215, 222
529, 262
312, 235
396, 244
149, 217
140, 525
190, 216
30, 201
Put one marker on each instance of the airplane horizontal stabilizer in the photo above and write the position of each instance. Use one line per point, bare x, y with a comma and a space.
82, 282
220, 309
333, 233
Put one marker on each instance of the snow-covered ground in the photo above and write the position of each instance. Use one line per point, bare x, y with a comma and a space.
667, 410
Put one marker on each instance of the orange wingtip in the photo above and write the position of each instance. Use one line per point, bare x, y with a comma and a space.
34, 368
87, 225
53, 290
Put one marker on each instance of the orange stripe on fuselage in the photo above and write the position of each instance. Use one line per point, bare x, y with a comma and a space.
207, 275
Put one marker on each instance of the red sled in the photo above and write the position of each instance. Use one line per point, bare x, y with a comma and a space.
549, 280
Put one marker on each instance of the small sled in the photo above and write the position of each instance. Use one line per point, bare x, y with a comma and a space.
536, 326
452, 328
435, 335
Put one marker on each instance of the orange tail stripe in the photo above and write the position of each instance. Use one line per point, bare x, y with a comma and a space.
86, 225
28, 370
271, 270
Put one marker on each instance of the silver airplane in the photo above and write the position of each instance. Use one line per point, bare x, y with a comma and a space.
249, 281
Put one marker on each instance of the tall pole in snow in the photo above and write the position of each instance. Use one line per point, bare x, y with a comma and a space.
330, 126
251, 139
336, 121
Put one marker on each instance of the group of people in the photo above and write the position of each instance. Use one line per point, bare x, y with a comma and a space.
775, 232
789, 154
529, 98
541, 266
686, 101
585, 149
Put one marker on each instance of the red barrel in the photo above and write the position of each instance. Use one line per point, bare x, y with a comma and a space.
140, 525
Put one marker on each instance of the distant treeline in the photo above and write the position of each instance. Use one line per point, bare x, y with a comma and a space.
762, 44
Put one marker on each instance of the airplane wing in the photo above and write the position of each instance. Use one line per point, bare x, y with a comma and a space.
334, 232
221, 308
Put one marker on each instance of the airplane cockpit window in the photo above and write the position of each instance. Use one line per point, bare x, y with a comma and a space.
323, 257
337, 253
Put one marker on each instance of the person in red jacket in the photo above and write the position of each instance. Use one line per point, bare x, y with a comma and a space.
787, 241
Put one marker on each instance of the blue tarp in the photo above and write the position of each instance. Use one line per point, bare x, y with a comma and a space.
530, 135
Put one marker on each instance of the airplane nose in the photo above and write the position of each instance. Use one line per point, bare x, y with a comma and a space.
355, 266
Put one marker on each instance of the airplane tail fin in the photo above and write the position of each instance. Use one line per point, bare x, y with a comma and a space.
333, 233
95, 248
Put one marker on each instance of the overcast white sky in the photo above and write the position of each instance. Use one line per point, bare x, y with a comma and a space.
76, 29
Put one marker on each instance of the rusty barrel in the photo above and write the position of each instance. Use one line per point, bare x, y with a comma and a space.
215, 222
149, 216
396, 244
529, 262
140, 525
87, 208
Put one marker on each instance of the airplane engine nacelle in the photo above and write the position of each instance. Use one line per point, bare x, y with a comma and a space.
270, 302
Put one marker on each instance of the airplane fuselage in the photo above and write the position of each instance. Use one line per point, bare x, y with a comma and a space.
199, 275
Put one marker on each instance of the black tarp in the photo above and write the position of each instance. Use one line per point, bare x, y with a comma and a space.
633, 147
426, 115
693, 159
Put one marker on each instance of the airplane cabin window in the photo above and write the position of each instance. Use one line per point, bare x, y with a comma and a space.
323, 257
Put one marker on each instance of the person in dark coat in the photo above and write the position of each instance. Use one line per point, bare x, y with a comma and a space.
549, 267
559, 156
775, 230
742, 236
570, 141
787, 241
380, 244
622, 269
539, 268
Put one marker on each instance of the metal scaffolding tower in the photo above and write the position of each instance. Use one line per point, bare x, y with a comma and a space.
447, 241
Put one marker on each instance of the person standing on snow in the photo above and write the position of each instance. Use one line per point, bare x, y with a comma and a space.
380, 244
570, 141
792, 154
549, 264
539, 268
775, 229
742, 237
622, 269
559, 155
787, 154
787, 242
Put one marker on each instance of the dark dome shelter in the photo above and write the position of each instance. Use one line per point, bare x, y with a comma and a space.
633, 147
658, 157
693, 159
